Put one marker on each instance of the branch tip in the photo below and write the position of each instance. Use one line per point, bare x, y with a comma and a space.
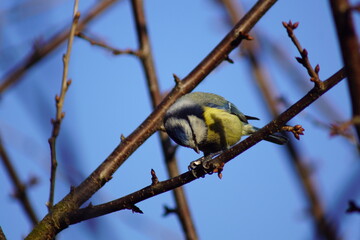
134, 209
297, 130
245, 36
176, 79
122, 138
228, 59
154, 178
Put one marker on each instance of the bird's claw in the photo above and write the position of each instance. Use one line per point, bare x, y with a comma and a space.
195, 164
204, 162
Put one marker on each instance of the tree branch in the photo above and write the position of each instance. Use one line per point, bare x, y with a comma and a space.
183, 210
113, 50
269, 96
59, 100
58, 218
164, 186
20, 188
349, 44
39, 52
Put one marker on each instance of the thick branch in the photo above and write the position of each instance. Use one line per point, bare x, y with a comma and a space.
349, 43
183, 211
57, 219
161, 187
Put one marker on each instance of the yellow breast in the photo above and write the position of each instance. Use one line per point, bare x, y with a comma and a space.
224, 129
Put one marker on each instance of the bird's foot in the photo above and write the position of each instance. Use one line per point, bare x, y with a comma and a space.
204, 162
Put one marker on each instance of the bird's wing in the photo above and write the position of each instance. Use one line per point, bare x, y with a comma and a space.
230, 108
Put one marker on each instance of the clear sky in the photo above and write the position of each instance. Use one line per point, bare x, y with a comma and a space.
259, 196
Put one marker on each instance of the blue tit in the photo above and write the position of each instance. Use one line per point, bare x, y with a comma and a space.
209, 123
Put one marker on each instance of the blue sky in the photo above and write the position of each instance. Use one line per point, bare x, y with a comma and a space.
259, 196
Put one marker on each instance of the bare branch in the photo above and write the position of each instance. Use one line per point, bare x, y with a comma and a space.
59, 100
56, 220
270, 99
183, 210
101, 44
37, 54
349, 43
304, 59
164, 186
20, 188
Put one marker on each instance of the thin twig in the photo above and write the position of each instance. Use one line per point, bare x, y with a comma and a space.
20, 188
103, 45
349, 43
304, 59
59, 100
38, 53
56, 221
183, 210
164, 186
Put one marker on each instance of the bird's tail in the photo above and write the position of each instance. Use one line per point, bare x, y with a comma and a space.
275, 138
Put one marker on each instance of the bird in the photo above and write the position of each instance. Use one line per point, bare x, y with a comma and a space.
209, 123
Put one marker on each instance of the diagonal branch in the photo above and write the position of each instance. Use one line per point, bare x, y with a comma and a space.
21, 188
38, 53
182, 209
57, 220
164, 186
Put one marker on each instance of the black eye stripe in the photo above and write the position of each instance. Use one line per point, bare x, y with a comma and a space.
184, 112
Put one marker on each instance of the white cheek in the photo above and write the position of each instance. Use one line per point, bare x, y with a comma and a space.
199, 128
181, 123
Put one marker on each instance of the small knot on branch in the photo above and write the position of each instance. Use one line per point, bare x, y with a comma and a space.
228, 59
177, 79
297, 130
57, 98
154, 178
245, 36
134, 209
122, 138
